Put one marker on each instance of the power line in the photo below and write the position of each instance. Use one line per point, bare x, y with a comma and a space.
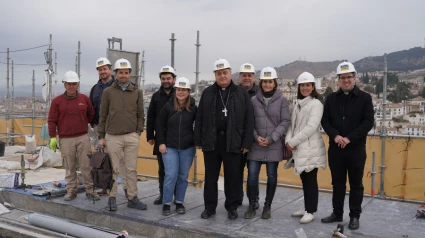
26, 64
25, 49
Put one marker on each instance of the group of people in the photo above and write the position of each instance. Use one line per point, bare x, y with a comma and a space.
236, 126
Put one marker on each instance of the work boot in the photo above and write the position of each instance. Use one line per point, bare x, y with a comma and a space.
112, 203
93, 196
166, 210
70, 196
135, 203
252, 195
158, 200
271, 190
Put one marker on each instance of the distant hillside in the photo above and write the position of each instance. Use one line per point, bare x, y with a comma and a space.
404, 60
294, 69
318, 69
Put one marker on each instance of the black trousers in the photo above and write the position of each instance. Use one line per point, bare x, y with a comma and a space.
232, 176
341, 163
161, 172
311, 190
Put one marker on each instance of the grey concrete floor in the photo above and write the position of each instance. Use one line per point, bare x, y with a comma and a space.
380, 218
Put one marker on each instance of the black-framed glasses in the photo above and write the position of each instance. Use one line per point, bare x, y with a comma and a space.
347, 77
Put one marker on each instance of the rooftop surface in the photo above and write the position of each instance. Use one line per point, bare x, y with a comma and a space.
380, 218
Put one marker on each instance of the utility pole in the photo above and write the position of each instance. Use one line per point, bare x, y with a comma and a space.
76, 64
197, 67
172, 49
50, 62
13, 104
79, 64
33, 102
7, 102
56, 72
383, 129
142, 72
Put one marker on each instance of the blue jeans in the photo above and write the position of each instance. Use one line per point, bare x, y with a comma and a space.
254, 170
177, 164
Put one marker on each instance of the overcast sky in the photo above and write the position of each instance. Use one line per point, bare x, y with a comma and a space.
264, 33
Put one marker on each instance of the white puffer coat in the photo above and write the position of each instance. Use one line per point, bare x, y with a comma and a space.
304, 135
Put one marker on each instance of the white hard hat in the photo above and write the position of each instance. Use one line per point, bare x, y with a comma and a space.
182, 83
345, 67
268, 73
101, 62
306, 77
71, 77
122, 64
167, 69
221, 64
247, 68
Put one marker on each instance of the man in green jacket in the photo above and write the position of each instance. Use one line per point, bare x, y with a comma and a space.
120, 125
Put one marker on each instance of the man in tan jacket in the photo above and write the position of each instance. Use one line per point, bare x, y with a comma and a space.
120, 125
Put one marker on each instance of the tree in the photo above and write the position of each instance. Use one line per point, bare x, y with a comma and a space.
422, 94
369, 88
374, 80
401, 92
365, 78
392, 79
327, 92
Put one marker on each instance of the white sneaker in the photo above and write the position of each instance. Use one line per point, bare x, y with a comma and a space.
307, 218
299, 213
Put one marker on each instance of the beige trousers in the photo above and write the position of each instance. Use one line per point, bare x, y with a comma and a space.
122, 165
129, 145
71, 149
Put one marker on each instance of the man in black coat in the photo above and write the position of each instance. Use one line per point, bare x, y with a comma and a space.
247, 81
167, 76
347, 118
224, 129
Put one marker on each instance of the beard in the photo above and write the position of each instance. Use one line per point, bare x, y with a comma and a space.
167, 86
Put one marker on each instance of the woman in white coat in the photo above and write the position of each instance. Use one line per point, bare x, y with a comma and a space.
305, 141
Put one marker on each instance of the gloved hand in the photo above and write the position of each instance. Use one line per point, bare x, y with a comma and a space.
53, 144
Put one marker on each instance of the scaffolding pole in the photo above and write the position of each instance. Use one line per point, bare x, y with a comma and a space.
56, 72
33, 102
173, 39
7, 102
383, 129
79, 64
142, 72
50, 62
13, 103
197, 67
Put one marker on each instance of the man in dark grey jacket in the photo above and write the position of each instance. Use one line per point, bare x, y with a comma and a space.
224, 130
347, 118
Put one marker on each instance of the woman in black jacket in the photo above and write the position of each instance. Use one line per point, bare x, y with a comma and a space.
175, 136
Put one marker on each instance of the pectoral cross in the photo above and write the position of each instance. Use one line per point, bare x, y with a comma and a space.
225, 112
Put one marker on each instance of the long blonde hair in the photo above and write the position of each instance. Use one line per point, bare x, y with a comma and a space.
186, 104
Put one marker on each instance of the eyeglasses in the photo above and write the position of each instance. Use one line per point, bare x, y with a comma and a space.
347, 77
